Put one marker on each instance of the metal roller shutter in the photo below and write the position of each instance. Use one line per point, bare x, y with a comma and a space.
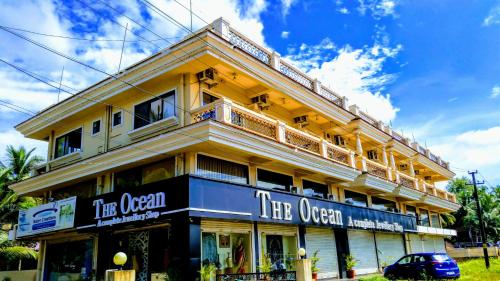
429, 244
439, 246
362, 248
225, 226
323, 239
278, 229
416, 243
390, 247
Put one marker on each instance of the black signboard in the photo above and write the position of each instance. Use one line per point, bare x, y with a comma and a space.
201, 197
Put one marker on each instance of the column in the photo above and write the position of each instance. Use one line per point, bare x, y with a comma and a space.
223, 111
410, 166
323, 148
275, 60
186, 246
392, 164
280, 132
359, 147
316, 86
221, 26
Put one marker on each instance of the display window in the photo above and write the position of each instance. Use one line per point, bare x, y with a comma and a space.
279, 252
69, 261
229, 252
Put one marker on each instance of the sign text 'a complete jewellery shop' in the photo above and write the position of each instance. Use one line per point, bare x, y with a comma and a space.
202, 197
53, 216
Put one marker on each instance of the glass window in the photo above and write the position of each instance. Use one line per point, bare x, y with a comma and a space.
315, 189
272, 180
84, 189
135, 177
227, 251
280, 250
383, 204
117, 118
435, 220
69, 143
405, 260
221, 170
410, 210
71, 261
356, 199
154, 110
208, 98
96, 127
424, 218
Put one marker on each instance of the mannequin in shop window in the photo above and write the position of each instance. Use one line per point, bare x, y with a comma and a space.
239, 256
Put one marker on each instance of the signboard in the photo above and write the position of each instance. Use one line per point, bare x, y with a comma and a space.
201, 197
53, 216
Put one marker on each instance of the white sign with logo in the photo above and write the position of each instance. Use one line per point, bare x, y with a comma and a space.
53, 216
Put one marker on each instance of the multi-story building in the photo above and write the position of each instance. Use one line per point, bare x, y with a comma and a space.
215, 150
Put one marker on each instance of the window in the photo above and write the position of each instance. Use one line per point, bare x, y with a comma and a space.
154, 110
70, 261
405, 260
314, 189
372, 154
96, 127
410, 210
135, 177
117, 118
435, 220
424, 218
272, 180
208, 98
84, 189
384, 205
356, 199
69, 143
235, 246
222, 170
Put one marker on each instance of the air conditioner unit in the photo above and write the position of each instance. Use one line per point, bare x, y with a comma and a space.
372, 154
262, 101
332, 197
207, 76
403, 167
302, 121
417, 172
339, 140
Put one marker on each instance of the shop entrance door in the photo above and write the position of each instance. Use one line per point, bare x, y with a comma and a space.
275, 248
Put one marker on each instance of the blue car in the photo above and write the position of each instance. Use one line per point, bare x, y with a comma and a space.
422, 266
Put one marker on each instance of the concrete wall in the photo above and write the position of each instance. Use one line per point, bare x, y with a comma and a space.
23, 275
471, 252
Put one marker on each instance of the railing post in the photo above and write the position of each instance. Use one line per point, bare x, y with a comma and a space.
323, 148
221, 26
388, 173
354, 109
415, 183
345, 103
280, 131
352, 159
316, 86
275, 60
359, 146
410, 166
397, 177
223, 111
363, 164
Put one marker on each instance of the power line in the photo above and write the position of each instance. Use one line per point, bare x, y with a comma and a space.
81, 38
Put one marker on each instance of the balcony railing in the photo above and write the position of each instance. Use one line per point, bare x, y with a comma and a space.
296, 75
376, 169
338, 154
331, 96
249, 47
406, 180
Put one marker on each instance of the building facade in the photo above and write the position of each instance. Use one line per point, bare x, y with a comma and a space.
216, 151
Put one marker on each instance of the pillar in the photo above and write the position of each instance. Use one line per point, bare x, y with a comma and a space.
221, 26
303, 270
186, 246
410, 167
275, 60
359, 147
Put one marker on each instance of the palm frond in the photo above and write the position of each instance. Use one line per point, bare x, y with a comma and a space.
18, 252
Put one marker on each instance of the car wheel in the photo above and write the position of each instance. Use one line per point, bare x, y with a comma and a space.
390, 276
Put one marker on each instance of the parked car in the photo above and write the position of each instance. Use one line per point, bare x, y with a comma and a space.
420, 266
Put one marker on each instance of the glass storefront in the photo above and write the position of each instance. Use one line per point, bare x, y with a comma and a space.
280, 250
69, 261
229, 252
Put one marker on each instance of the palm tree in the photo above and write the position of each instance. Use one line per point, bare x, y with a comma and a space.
9, 251
20, 162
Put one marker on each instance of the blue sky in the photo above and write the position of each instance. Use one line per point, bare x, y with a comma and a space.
429, 68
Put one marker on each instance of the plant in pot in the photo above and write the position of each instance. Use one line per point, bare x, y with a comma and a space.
314, 263
207, 271
350, 263
265, 267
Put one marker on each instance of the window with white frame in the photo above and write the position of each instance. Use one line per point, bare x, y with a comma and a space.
69, 143
154, 110
117, 118
96, 127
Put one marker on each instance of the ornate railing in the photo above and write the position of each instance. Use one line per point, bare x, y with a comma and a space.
337, 154
406, 181
429, 188
302, 140
249, 47
331, 96
249, 121
376, 169
295, 75
368, 118
203, 113
270, 276
433, 157
441, 194
420, 149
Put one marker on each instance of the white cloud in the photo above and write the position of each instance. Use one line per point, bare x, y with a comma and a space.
285, 34
12, 137
343, 10
493, 17
475, 149
307, 56
285, 6
495, 91
378, 8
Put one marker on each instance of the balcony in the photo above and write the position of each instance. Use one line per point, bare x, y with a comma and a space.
227, 112
378, 170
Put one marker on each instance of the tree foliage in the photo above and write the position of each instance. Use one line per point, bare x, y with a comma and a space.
466, 219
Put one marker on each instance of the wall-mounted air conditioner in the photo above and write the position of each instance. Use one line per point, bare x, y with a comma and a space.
207, 76
302, 121
262, 101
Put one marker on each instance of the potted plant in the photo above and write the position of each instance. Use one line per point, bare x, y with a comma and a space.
314, 268
265, 267
350, 263
207, 271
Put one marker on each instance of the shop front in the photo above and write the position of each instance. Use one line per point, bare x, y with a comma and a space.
176, 226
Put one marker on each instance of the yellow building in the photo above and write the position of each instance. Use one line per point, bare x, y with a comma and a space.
215, 150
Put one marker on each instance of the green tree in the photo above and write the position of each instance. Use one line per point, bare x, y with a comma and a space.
466, 217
